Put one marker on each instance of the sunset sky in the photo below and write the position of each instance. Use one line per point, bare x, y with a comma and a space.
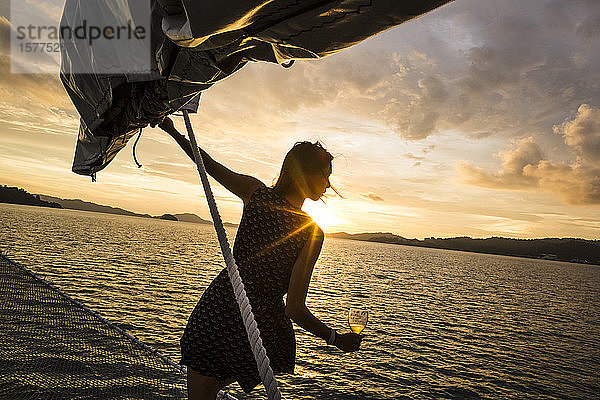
479, 119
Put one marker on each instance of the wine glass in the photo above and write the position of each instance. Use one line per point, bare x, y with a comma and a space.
357, 319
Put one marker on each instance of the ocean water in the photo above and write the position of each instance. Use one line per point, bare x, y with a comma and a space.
442, 324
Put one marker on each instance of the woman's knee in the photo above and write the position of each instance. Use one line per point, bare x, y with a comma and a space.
224, 383
201, 387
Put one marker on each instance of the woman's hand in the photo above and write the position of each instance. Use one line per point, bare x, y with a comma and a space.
168, 126
348, 342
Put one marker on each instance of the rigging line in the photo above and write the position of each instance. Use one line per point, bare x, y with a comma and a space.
258, 349
134, 146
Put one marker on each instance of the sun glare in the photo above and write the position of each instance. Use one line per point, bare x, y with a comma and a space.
320, 213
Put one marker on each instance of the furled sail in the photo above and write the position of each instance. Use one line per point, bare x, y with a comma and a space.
192, 45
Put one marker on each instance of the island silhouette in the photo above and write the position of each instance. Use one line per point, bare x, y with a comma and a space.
559, 249
15, 195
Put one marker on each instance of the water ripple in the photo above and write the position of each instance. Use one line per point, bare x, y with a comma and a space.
443, 324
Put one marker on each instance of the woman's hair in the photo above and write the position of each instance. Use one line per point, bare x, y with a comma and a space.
305, 158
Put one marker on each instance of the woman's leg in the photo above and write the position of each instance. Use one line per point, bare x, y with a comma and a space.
223, 384
202, 387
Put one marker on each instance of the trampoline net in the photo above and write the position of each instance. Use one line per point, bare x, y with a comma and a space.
53, 347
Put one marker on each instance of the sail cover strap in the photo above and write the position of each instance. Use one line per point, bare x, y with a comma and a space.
258, 349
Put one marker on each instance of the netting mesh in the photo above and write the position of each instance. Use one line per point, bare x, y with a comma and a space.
54, 347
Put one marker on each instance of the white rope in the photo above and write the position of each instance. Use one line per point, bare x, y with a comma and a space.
260, 354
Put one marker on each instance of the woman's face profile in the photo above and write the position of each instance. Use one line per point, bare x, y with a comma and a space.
318, 183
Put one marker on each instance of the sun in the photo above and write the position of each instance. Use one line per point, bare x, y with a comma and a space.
320, 213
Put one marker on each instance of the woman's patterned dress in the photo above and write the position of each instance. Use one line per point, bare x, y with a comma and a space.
270, 237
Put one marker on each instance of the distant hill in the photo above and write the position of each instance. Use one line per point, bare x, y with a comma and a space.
381, 237
188, 217
15, 195
76, 204
168, 217
567, 249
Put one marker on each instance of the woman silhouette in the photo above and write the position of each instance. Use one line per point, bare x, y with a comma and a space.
276, 247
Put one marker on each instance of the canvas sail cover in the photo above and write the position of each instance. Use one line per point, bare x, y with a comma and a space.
192, 45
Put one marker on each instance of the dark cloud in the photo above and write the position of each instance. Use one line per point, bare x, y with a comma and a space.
589, 28
525, 168
500, 68
526, 67
416, 116
481, 69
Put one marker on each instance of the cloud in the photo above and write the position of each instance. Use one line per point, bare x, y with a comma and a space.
525, 153
480, 70
32, 102
582, 134
506, 70
418, 117
589, 28
573, 184
39, 88
372, 196
524, 167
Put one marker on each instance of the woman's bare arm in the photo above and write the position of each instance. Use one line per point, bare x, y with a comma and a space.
296, 308
241, 185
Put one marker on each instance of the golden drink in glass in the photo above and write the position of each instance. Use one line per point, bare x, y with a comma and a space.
358, 320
